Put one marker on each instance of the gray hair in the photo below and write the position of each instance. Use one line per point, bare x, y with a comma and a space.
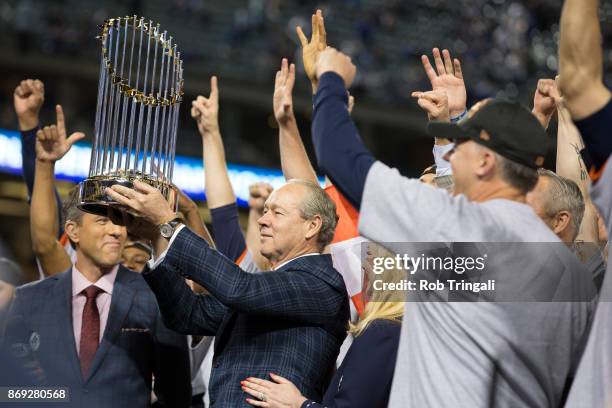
70, 211
563, 194
517, 175
317, 202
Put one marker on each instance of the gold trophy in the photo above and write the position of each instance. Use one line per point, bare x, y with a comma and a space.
139, 96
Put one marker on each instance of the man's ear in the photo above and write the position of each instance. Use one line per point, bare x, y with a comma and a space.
72, 230
313, 226
561, 222
486, 163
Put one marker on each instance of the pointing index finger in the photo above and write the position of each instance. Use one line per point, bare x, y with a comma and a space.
214, 88
61, 124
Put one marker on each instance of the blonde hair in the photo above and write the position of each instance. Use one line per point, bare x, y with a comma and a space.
383, 304
393, 311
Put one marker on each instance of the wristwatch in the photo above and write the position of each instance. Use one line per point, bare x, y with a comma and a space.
167, 229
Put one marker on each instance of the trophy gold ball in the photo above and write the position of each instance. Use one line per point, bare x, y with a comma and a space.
140, 91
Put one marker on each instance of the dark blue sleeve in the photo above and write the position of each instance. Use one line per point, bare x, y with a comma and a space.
28, 166
367, 370
290, 294
181, 309
228, 235
28, 157
596, 131
340, 152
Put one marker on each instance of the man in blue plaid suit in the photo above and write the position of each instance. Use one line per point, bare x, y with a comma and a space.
289, 321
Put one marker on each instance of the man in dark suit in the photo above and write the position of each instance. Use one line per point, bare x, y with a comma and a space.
95, 328
289, 321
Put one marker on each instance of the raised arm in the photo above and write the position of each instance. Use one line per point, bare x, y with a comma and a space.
219, 193
311, 49
182, 309
581, 59
340, 152
569, 160
448, 88
294, 159
205, 111
297, 294
581, 81
190, 212
51, 145
28, 98
544, 103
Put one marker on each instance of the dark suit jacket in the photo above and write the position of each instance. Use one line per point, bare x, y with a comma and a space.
364, 378
291, 321
135, 344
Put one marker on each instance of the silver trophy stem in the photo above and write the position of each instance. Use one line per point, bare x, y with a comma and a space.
112, 107
99, 152
170, 114
174, 132
142, 105
161, 154
157, 106
94, 150
124, 98
118, 99
133, 104
146, 141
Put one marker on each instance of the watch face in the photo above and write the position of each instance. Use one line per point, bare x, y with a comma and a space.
166, 230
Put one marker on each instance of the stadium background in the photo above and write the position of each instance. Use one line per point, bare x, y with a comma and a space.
504, 47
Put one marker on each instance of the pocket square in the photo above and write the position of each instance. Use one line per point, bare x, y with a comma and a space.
134, 330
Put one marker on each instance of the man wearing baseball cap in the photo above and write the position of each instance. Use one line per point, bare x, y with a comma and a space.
475, 354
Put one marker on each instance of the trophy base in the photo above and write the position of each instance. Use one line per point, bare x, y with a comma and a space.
93, 200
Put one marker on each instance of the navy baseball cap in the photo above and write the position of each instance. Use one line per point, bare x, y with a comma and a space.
507, 128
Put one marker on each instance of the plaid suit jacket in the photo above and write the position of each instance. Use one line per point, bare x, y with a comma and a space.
291, 321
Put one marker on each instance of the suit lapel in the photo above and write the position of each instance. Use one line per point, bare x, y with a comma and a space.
121, 302
63, 297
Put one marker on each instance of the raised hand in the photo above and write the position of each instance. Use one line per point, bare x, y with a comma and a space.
258, 194
332, 60
206, 110
146, 203
448, 78
28, 98
435, 103
283, 87
545, 100
185, 203
311, 50
51, 141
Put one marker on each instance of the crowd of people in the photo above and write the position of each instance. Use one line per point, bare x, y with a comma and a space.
147, 307
505, 44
